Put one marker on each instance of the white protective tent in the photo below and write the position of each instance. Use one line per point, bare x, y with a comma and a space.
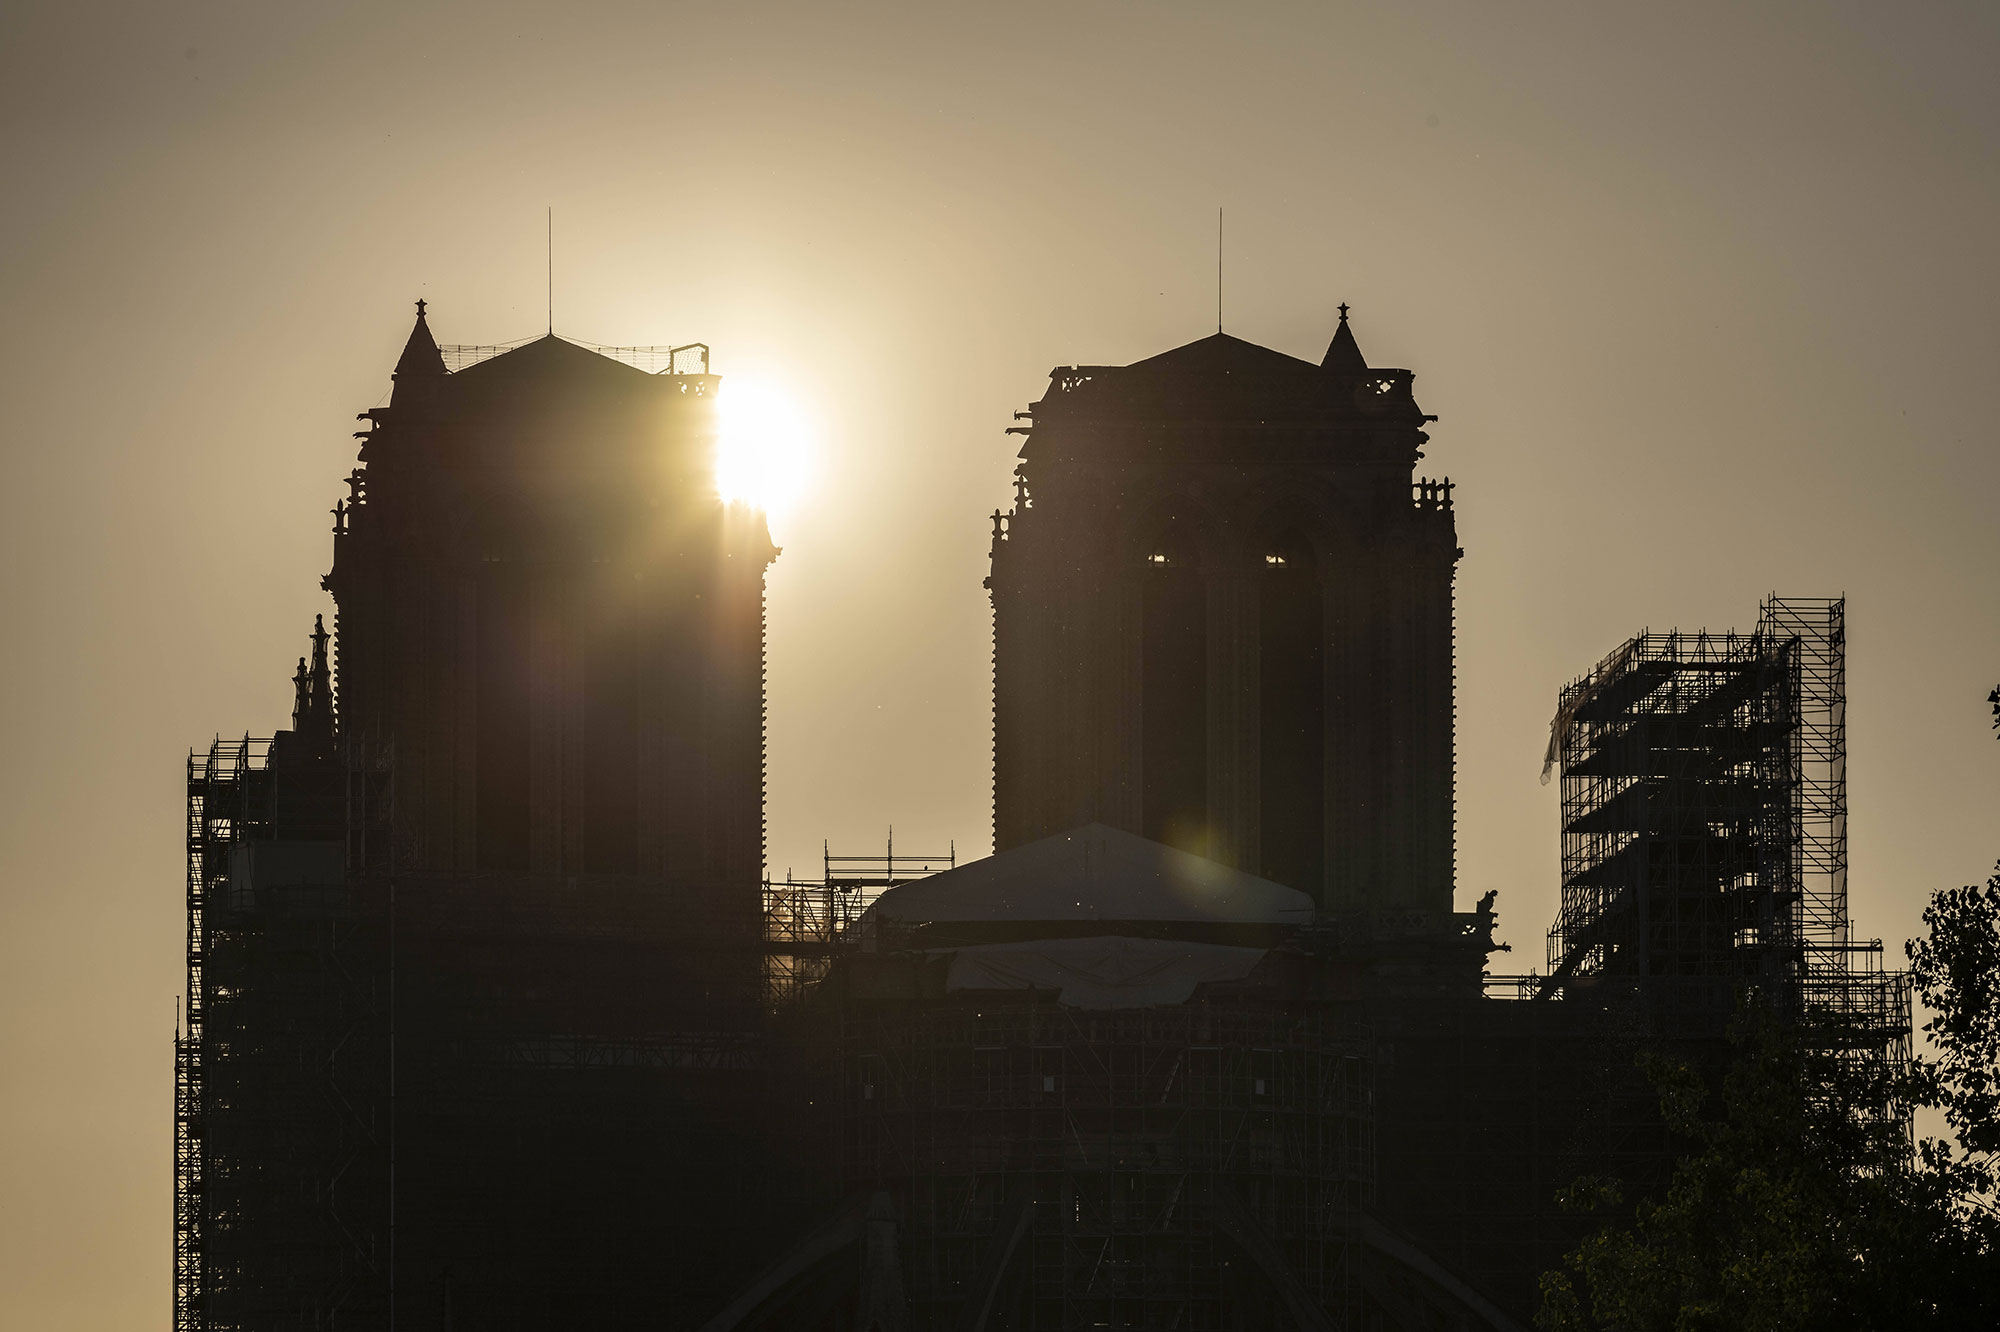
1093, 873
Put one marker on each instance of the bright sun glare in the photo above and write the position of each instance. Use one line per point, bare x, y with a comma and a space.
765, 450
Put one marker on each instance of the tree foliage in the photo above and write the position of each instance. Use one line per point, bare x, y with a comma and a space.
1801, 1201
1956, 971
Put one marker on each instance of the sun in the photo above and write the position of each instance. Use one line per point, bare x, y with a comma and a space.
765, 450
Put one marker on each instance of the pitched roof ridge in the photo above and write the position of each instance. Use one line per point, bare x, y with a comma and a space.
1218, 346
534, 347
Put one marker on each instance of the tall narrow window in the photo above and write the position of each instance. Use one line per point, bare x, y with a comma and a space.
1174, 704
503, 708
1292, 719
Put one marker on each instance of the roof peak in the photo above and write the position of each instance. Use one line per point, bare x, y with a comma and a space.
1095, 873
1343, 354
421, 358
1206, 350
540, 354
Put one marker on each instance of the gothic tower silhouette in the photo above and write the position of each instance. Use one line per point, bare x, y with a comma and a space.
551, 622
1223, 620
474, 949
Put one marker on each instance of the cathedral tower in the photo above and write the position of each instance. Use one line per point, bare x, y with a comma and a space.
474, 949
1223, 620
550, 624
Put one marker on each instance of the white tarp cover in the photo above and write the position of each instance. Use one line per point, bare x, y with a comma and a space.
1105, 972
1094, 873
1600, 675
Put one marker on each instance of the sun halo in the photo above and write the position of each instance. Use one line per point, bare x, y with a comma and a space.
765, 445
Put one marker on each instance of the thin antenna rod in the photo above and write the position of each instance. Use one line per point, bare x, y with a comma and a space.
552, 269
1218, 270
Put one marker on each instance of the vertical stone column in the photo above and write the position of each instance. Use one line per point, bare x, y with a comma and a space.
1443, 707
1122, 707
547, 694
1232, 711
1337, 670
1402, 682
1005, 652
649, 773
569, 706
464, 707
1066, 667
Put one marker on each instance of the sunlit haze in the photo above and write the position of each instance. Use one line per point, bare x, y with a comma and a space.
765, 453
1703, 296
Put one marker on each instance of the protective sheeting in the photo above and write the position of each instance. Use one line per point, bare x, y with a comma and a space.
1094, 873
1105, 972
1600, 675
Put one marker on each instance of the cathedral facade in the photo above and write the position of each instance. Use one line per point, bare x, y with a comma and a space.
1222, 610
474, 949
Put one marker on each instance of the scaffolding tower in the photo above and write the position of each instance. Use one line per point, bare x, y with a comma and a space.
1859, 1007
1816, 632
1704, 832
1677, 841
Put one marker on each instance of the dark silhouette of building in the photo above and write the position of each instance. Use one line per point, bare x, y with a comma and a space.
492, 1025
1117, 1075
554, 625
475, 958
1096, 1081
1222, 609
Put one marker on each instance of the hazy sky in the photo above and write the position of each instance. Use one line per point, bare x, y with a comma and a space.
1706, 300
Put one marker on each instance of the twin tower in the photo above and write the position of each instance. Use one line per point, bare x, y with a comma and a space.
1222, 608
475, 958
1222, 620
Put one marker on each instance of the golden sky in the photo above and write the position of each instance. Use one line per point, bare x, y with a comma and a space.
1705, 296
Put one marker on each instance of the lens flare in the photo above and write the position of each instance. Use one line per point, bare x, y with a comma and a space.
765, 451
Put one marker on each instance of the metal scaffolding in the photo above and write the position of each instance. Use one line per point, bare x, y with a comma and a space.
806, 921
1677, 841
268, 1084
1704, 842
1860, 1007
497, 1077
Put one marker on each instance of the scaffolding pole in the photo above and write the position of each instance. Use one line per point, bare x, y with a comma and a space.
807, 921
